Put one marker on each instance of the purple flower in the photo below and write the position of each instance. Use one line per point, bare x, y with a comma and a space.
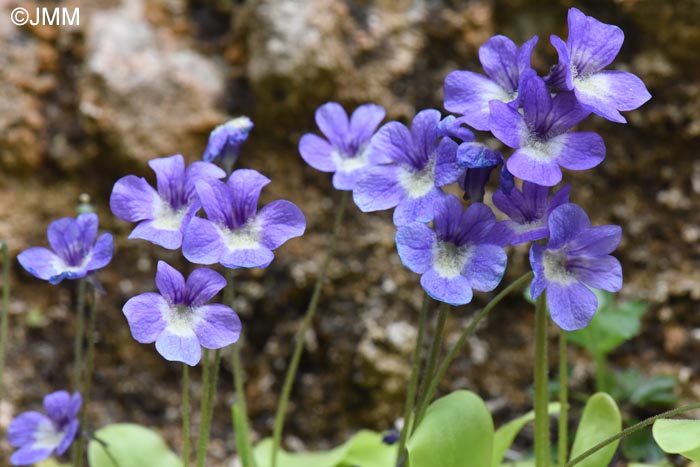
162, 214
236, 234
461, 254
422, 163
469, 93
178, 319
577, 257
344, 151
528, 210
479, 160
540, 133
590, 47
225, 141
454, 128
37, 435
75, 253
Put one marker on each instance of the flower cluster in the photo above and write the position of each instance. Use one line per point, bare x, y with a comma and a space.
234, 234
456, 250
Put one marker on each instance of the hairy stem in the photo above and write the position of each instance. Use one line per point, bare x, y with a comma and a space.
429, 373
204, 410
5, 312
630, 430
409, 404
245, 450
185, 415
541, 384
563, 438
79, 334
86, 386
442, 369
305, 325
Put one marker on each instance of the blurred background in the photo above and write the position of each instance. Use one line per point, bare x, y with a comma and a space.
83, 105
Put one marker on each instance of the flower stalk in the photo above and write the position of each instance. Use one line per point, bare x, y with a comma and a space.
79, 334
541, 385
185, 415
4, 251
518, 284
203, 425
305, 326
409, 404
89, 365
245, 450
563, 438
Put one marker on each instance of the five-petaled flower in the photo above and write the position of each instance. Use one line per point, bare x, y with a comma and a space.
178, 319
37, 435
75, 253
468, 93
162, 214
236, 234
225, 141
344, 151
540, 135
590, 47
423, 162
462, 254
577, 257
528, 210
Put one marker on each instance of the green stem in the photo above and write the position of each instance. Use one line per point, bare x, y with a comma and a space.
210, 383
87, 374
601, 372
429, 373
105, 447
204, 410
79, 334
245, 450
563, 438
630, 430
305, 326
516, 285
413, 381
5, 312
541, 384
185, 415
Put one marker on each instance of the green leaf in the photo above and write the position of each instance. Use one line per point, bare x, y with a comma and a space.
366, 448
51, 463
131, 445
505, 435
656, 390
678, 437
457, 431
611, 326
600, 420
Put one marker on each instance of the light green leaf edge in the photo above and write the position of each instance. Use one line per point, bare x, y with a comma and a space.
132, 446
366, 448
505, 435
678, 437
600, 420
457, 431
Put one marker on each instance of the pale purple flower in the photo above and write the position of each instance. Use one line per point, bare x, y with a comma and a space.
528, 210
462, 253
75, 252
344, 151
225, 141
39, 435
163, 213
540, 135
469, 94
422, 163
235, 233
179, 320
590, 47
577, 257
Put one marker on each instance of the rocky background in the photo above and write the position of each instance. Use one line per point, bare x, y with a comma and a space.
83, 105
